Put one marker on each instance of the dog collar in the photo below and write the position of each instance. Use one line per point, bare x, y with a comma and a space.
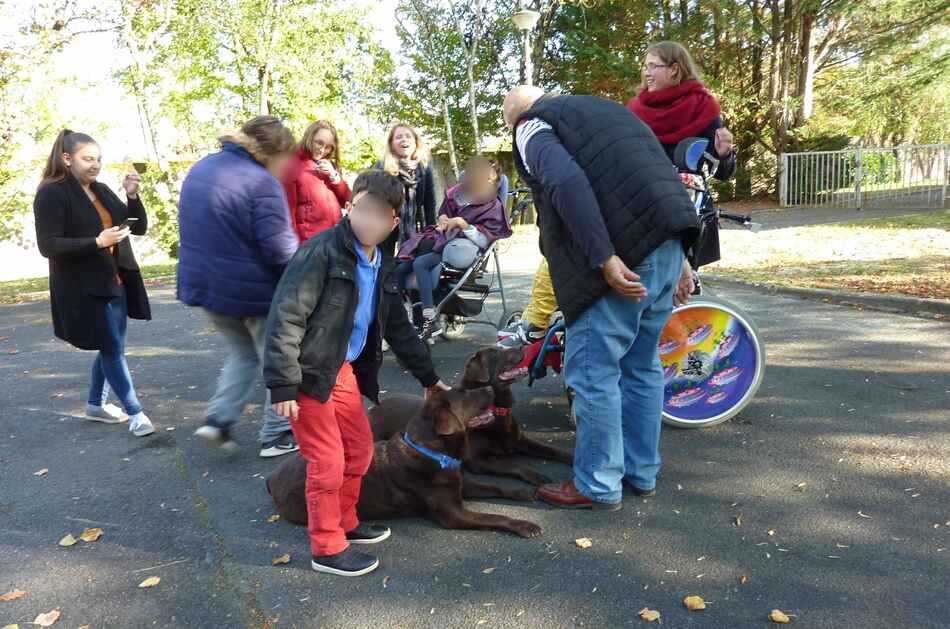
500, 411
444, 460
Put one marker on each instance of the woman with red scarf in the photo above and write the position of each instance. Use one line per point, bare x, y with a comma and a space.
675, 105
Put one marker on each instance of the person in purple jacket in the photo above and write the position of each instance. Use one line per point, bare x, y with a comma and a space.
235, 240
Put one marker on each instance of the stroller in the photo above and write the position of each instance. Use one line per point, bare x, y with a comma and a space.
460, 293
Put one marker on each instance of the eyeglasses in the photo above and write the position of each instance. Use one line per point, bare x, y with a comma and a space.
650, 67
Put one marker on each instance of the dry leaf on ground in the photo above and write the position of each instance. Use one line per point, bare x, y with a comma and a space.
47, 619
273, 518
12, 595
584, 542
743, 580
694, 603
285, 558
91, 535
776, 615
42, 472
69, 540
488, 570
649, 615
150, 582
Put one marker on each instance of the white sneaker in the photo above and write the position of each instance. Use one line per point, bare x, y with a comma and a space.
141, 425
106, 414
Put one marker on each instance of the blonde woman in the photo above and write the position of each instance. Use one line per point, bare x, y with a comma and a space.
407, 157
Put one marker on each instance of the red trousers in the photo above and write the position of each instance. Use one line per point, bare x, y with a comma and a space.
337, 443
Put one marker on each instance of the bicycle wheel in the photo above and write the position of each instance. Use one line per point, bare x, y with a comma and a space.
713, 362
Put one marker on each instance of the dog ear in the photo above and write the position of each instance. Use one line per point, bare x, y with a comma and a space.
446, 423
476, 369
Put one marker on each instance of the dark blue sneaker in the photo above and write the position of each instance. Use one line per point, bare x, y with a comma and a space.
368, 534
349, 563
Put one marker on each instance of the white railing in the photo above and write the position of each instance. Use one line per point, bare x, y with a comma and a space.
901, 176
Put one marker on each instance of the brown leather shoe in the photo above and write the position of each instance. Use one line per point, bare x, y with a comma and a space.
566, 496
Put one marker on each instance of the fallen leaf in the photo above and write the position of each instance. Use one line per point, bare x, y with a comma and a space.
12, 595
864, 515
801, 486
42, 472
488, 570
386, 580
776, 615
69, 540
150, 582
649, 615
91, 535
273, 518
737, 521
694, 603
285, 558
584, 542
56, 396
47, 619
743, 580
771, 532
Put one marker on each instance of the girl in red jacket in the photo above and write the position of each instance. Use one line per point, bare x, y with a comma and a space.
315, 189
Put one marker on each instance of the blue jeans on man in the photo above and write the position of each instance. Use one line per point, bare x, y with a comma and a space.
612, 363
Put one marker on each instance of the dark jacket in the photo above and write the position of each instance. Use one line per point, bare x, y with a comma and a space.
425, 205
235, 234
638, 193
311, 321
727, 164
82, 277
315, 202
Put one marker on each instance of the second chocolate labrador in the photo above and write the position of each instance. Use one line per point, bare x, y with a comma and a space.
495, 440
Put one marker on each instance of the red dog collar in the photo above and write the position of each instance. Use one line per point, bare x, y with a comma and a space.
500, 411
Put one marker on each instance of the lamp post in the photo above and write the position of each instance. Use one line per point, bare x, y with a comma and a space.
525, 20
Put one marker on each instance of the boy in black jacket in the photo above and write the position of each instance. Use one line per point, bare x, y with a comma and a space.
338, 298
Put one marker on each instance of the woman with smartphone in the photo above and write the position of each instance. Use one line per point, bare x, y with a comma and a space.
315, 188
95, 284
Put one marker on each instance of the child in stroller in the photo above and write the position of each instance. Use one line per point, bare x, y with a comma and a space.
472, 217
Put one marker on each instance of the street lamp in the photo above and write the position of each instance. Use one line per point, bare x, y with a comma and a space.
525, 20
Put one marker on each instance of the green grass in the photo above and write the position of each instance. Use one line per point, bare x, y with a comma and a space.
15, 291
937, 219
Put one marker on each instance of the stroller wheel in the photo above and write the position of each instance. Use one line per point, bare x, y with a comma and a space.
453, 327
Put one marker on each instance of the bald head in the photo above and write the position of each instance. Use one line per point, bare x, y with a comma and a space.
520, 100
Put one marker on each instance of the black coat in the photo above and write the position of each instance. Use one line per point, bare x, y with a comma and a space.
82, 277
311, 321
425, 205
641, 199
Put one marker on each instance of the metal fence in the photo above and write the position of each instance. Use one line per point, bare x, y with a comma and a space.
900, 176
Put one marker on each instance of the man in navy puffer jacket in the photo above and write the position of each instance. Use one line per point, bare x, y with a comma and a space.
235, 239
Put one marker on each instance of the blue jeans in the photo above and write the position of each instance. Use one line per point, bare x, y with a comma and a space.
244, 338
110, 369
612, 363
427, 269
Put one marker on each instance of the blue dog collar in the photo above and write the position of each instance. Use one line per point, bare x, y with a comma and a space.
444, 460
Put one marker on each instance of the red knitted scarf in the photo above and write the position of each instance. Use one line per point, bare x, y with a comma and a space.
678, 112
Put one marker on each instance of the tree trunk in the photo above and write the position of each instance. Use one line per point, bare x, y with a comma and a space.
805, 81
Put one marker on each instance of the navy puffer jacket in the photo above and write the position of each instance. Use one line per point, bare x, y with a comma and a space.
235, 233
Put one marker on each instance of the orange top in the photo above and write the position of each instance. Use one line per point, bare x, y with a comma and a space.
106, 219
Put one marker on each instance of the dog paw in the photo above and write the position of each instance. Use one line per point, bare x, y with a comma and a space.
537, 479
525, 495
527, 529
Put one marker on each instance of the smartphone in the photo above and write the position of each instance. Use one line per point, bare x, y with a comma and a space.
129, 222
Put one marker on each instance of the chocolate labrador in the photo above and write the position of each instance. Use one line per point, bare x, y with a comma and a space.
492, 441
418, 472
